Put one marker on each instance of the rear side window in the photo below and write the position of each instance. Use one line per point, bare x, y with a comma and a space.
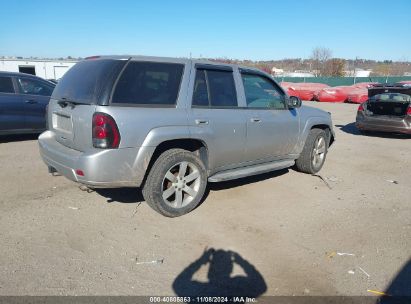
149, 83
214, 88
200, 95
88, 80
6, 85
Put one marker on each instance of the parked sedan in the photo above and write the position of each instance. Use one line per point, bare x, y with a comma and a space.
388, 109
23, 102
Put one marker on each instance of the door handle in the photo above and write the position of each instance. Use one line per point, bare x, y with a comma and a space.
255, 119
201, 122
31, 101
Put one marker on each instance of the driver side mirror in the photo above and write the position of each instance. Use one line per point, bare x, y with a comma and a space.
293, 102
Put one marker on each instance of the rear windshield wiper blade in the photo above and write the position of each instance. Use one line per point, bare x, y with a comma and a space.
64, 102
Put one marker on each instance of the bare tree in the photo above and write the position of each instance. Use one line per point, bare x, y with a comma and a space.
383, 69
264, 67
399, 68
320, 56
334, 67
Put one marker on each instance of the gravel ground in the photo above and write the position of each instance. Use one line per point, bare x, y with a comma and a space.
283, 233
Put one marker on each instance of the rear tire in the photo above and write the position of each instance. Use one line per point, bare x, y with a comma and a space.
176, 183
315, 149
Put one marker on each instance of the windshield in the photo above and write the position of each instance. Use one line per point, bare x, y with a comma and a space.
87, 80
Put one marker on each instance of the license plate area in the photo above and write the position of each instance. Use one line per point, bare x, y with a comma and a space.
62, 122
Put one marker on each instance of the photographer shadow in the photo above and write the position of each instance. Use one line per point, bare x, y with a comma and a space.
220, 280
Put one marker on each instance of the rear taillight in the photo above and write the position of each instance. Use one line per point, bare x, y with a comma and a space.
409, 111
361, 108
105, 132
79, 172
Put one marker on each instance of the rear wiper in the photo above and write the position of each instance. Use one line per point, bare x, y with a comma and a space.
64, 102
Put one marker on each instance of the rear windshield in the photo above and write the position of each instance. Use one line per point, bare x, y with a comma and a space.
388, 90
149, 83
396, 97
86, 81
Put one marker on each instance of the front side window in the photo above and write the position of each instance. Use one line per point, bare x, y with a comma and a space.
6, 85
214, 88
260, 92
149, 83
34, 87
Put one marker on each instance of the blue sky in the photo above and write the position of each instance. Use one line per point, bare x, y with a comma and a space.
257, 30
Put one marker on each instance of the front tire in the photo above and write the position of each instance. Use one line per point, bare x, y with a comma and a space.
176, 183
315, 150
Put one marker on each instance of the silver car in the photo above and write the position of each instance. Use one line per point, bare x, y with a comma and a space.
169, 126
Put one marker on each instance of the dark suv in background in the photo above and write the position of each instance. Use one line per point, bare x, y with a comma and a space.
23, 102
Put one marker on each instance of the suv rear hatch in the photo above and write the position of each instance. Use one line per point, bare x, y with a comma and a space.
74, 100
389, 101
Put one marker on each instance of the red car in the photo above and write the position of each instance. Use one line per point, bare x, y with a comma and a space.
365, 85
305, 91
358, 95
334, 94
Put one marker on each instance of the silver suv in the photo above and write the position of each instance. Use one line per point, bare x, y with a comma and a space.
170, 125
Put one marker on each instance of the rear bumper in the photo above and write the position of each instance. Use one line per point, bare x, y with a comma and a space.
384, 123
102, 168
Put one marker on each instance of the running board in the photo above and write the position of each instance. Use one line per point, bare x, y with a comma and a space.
250, 170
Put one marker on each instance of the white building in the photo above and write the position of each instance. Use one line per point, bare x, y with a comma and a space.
47, 69
358, 73
298, 74
277, 72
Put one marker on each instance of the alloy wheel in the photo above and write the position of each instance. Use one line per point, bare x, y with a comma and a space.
318, 152
181, 184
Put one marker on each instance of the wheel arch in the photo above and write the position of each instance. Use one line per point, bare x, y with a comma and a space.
315, 123
329, 132
197, 146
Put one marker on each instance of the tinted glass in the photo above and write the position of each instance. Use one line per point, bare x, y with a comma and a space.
200, 94
260, 92
86, 81
374, 91
391, 97
222, 88
6, 85
34, 87
149, 83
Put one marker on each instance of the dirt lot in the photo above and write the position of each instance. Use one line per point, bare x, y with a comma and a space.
287, 228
